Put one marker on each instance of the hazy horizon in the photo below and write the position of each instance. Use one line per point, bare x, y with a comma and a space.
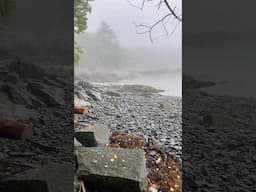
143, 55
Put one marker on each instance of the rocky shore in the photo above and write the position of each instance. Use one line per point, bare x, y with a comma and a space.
218, 142
131, 122
142, 112
34, 96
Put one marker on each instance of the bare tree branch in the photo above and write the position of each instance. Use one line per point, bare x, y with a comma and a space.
174, 29
146, 28
150, 28
141, 7
172, 10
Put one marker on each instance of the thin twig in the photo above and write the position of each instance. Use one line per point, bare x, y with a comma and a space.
141, 7
158, 5
146, 28
149, 29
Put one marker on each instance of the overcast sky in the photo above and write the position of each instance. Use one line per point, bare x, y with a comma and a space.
121, 16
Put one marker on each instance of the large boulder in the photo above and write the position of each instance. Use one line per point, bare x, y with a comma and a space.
48, 178
112, 169
93, 135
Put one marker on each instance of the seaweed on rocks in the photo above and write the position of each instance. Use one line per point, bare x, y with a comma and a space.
164, 168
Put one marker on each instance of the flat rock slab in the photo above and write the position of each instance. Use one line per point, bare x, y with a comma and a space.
94, 135
108, 169
48, 178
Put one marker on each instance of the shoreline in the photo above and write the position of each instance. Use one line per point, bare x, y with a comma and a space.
112, 84
146, 114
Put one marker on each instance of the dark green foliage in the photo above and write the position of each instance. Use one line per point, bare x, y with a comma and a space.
81, 8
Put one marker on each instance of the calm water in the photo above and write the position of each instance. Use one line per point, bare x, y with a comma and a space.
171, 83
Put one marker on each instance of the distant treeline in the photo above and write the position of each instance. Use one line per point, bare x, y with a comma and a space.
102, 50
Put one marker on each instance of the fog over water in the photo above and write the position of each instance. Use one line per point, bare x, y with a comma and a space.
138, 60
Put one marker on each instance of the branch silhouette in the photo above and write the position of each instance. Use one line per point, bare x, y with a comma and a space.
148, 29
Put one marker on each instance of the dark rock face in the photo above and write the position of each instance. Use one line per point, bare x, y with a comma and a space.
51, 96
31, 95
26, 70
18, 80
112, 169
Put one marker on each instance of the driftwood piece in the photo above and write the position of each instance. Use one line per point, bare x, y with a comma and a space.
15, 130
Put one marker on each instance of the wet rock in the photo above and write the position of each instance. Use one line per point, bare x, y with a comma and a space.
96, 96
21, 96
84, 84
94, 135
82, 95
112, 169
17, 96
51, 82
52, 96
